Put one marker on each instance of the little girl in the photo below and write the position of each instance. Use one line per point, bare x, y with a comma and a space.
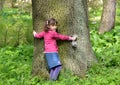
50, 36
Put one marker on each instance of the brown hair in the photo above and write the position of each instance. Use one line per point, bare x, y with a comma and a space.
49, 22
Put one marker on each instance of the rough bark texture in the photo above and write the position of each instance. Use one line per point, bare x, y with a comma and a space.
108, 16
72, 17
81, 57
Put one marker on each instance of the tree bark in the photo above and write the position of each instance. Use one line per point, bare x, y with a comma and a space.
108, 16
72, 17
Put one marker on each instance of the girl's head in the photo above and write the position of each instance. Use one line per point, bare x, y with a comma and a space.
50, 24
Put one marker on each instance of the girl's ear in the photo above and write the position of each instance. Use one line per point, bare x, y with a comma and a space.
47, 22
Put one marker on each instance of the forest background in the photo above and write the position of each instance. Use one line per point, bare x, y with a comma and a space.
16, 47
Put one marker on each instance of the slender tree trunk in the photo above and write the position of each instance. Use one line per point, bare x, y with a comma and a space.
18, 36
108, 16
6, 34
72, 17
1, 4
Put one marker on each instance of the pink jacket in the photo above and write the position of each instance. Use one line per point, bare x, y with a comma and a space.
50, 37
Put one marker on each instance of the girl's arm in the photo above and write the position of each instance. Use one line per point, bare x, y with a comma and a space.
63, 37
38, 35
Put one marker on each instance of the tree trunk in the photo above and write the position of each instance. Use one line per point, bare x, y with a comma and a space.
72, 17
108, 16
6, 34
1, 4
13, 3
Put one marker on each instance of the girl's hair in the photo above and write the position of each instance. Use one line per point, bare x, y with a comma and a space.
49, 22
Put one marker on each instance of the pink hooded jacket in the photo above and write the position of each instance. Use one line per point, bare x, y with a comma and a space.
50, 37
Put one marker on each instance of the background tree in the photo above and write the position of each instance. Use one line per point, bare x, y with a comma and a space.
108, 16
72, 17
13, 3
1, 4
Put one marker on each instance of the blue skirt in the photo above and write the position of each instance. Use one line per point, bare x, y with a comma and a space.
52, 59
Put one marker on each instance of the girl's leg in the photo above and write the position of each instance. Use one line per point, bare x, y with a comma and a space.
51, 73
56, 72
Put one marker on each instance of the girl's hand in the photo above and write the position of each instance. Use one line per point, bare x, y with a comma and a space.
73, 38
34, 33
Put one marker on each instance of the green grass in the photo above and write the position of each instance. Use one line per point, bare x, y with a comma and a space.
15, 65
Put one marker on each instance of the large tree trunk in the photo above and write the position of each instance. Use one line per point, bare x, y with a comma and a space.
108, 16
72, 17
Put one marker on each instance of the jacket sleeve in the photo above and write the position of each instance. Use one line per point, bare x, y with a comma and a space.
39, 35
60, 36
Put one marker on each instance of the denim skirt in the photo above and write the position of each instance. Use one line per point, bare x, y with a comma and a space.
52, 59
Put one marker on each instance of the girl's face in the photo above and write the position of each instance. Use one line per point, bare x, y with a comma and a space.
53, 27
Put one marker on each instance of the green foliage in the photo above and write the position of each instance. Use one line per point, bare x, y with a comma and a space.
15, 27
106, 48
15, 65
106, 44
